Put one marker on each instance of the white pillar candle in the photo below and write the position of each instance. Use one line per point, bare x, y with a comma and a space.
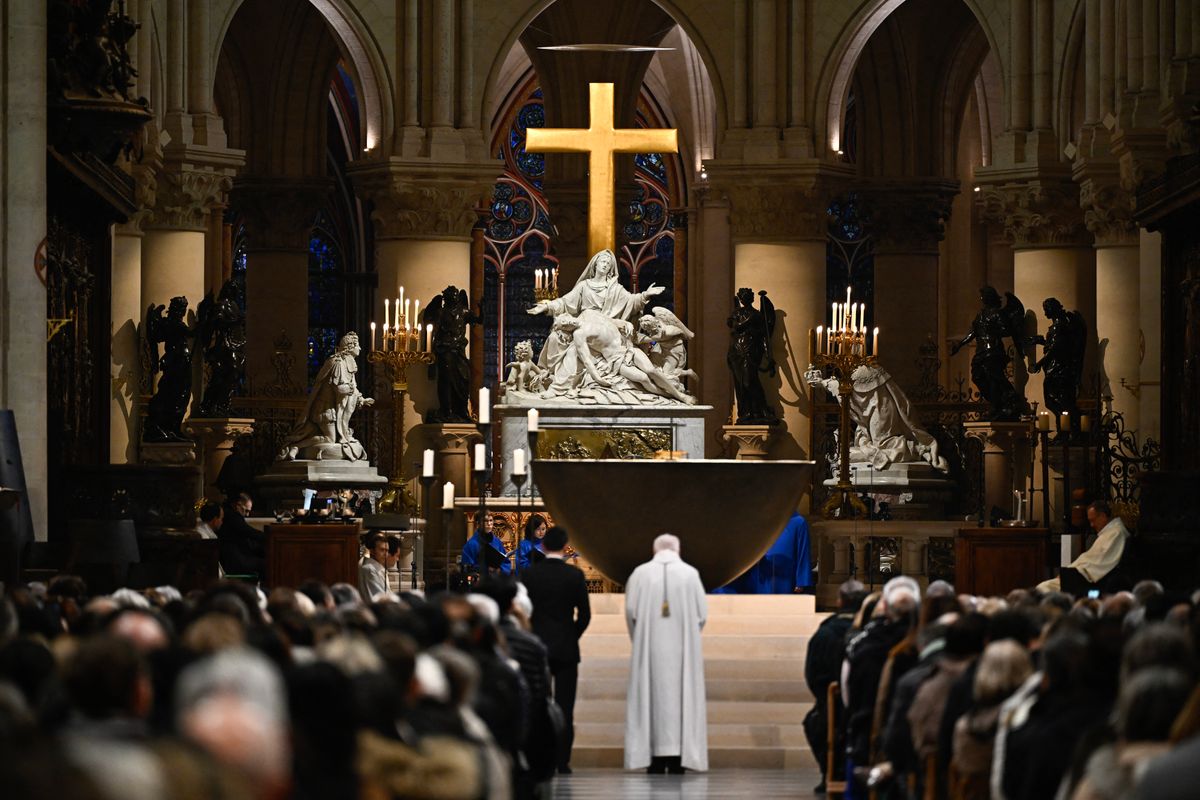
480, 457
485, 406
448, 495
518, 462
1064, 420
416, 315
875, 342
372, 335
532, 418
1085, 423
387, 318
427, 464
399, 300
407, 321
554, 278
429, 337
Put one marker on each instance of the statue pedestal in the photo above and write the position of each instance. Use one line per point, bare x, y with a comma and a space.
599, 432
749, 442
913, 490
1005, 460
453, 442
174, 454
215, 438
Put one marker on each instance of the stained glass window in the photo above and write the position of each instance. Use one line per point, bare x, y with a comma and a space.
326, 304
849, 256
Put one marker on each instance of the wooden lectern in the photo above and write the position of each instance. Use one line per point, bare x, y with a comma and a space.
325, 552
994, 561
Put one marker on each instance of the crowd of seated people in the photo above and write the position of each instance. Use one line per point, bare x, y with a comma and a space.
1033, 696
300, 693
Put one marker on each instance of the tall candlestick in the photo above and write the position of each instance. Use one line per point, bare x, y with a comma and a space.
847, 295
399, 300
532, 420
427, 464
1064, 420
518, 462
875, 342
385, 336
833, 317
480, 457
372, 336
386, 314
1043, 421
429, 337
448, 495
820, 330
485, 406
406, 319
416, 315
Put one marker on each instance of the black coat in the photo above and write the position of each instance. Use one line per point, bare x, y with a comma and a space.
561, 610
243, 547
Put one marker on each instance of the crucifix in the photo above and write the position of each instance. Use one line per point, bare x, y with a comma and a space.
600, 140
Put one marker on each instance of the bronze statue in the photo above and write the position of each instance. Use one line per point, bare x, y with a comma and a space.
165, 413
1062, 357
989, 365
751, 330
221, 332
450, 314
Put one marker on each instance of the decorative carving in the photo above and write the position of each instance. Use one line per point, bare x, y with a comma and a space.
1108, 213
425, 205
1035, 213
283, 361
908, 220
777, 212
185, 197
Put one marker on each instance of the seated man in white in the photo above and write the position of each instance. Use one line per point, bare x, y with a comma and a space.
372, 574
1097, 561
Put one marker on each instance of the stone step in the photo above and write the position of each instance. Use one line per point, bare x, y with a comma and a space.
613, 757
715, 646
750, 690
720, 712
777, 669
724, 604
741, 734
724, 625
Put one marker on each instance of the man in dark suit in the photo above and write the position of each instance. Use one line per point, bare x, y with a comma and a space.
243, 547
561, 613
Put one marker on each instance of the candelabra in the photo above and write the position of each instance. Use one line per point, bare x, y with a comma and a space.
545, 284
396, 498
842, 352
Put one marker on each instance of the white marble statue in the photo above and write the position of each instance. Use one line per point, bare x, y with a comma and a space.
595, 356
886, 432
324, 431
524, 375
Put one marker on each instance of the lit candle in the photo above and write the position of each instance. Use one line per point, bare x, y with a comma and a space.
1064, 420
1085, 423
372, 335
399, 300
820, 330
427, 464
1043, 421
385, 336
854, 318
847, 295
539, 281
485, 406
429, 337
448, 495
386, 314
532, 419
480, 457
518, 462
833, 318
554, 279
396, 322
416, 315
875, 342
407, 321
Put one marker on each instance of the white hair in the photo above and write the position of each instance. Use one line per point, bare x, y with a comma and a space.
666, 541
239, 672
522, 602
485, 607
901, 595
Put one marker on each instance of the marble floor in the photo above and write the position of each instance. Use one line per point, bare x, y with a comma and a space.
607, 784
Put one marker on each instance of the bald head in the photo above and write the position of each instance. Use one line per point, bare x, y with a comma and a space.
667, 541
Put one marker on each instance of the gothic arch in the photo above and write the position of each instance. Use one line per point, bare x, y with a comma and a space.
360, 50
495, 89
1069, 106
833, 87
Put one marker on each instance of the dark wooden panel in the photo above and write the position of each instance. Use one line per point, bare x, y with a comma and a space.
994, 561
296, 553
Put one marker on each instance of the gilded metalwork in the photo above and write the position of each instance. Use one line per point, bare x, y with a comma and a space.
618, 443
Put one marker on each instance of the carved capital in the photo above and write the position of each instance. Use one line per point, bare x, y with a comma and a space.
422, 202
279, 214
1141, 153
1108, 213
774, 202
909, 219
184, 198
1035, 213
145, 192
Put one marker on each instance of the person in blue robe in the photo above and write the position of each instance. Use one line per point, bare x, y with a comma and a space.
784, 569
529, 552
473, 554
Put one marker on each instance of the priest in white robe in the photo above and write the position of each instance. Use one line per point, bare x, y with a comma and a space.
666, 726
1105, 553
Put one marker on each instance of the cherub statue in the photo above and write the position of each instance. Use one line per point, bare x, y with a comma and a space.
665, 339
989, 365
750, 333
523, 374
450, 313
1063, 347
169, 403
221, 335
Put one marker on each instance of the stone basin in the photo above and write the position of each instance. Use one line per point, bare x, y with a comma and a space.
726, 513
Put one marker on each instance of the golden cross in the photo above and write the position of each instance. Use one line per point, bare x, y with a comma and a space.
600, 140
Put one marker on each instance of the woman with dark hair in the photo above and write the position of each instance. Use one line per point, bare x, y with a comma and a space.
529, 552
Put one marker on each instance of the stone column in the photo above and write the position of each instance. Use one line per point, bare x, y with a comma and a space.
1108, 214
23, 220
279, 216
423, 221
779, 233
908, 225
